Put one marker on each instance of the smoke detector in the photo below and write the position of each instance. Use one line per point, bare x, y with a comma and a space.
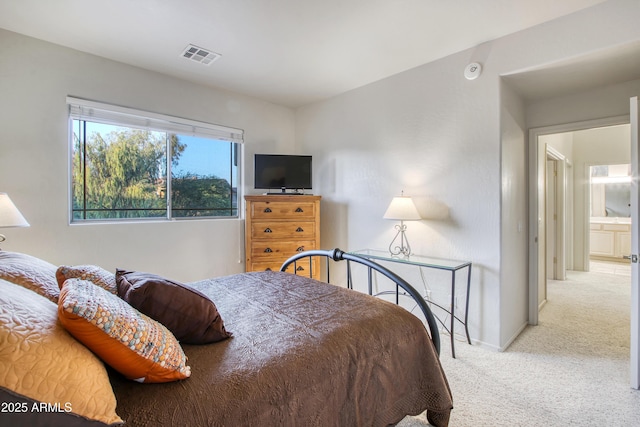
198, 54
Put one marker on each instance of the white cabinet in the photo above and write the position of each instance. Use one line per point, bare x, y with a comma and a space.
610, 241
624, 244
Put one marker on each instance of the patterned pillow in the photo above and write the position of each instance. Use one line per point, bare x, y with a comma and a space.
132, 343
41, 361
97, 275
30, 272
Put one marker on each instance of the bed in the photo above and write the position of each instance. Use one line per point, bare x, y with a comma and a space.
302, 352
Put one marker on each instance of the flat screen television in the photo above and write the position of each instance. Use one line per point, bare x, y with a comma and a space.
282, 171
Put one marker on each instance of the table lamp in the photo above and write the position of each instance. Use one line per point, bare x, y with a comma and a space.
403, 209
10, 216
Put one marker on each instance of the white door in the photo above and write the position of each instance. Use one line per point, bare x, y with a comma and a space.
635, 245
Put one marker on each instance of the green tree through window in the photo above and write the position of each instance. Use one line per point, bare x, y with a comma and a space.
121, 172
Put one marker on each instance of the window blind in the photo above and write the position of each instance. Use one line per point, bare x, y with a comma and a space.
81, 109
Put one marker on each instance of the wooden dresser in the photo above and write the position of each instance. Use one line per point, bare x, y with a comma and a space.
279, 226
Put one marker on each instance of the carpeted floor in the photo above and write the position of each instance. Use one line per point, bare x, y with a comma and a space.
570, 370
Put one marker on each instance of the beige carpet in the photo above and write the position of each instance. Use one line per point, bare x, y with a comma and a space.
570, 370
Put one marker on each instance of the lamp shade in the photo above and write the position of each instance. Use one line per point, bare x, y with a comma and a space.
10, 216
402, 208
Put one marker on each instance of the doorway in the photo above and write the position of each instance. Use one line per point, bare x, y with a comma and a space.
556, 143
580, 220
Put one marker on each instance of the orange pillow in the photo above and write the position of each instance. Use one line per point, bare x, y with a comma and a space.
132, 343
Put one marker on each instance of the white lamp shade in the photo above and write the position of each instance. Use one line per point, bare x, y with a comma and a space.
402, 208
10, 216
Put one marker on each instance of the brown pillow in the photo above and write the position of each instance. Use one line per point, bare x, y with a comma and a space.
190, 315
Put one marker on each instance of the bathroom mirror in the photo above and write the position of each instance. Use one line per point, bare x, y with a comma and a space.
611, 191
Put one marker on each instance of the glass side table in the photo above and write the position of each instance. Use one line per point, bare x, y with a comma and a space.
437, 263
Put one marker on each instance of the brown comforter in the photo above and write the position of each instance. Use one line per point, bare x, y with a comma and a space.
302, 353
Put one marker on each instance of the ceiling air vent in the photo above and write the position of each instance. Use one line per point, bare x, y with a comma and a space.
198, 54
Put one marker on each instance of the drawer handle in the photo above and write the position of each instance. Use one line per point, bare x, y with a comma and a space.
300, 268
299, 210
268, 269
299, 230
268, 250
268, 230
300, 249
267, 210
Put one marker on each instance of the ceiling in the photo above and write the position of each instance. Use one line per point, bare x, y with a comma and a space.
610, 66
289, 52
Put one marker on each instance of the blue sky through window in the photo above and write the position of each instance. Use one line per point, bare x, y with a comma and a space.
201, 157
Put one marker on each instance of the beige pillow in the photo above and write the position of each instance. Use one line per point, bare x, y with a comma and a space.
30, 272
40, 360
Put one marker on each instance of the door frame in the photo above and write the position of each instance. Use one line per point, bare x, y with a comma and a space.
560, 199
634, 119
537, 241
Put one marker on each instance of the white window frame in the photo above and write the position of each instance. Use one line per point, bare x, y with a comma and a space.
93, 111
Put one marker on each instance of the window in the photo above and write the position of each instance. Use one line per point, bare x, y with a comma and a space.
129, 164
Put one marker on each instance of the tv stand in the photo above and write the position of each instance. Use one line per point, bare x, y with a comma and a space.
286, 194
283, 192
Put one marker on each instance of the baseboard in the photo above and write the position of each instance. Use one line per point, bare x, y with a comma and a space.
544, 301
483, 344
513, 337
493, 347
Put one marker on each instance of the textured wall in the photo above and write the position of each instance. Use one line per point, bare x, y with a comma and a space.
35, 79
453, 144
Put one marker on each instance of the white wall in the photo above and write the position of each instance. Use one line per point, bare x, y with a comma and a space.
561, 142
602, 102
35, 78
514, 228
444, 139
433, 134
455, 145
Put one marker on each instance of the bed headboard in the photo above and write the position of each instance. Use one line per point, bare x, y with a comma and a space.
339, 255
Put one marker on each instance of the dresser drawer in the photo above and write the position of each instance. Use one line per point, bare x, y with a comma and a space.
265, 266
273, 248
283, 210
303, 267
283, 230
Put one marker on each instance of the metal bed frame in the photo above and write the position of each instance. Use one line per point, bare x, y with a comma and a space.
408, 290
